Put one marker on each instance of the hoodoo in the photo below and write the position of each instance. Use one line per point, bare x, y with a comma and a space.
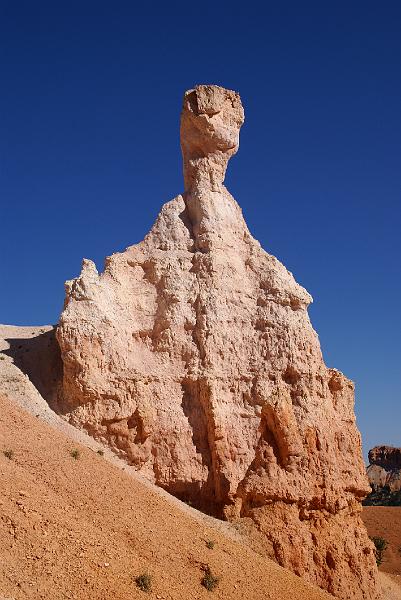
192, 356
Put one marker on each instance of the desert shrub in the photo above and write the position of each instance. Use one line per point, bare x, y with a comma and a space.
100, 452
380, 546
2, 357
209, 581
75, 453
144, 582
8, 453
210, 544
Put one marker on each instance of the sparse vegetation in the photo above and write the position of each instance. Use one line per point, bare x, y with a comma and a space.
210, 544
380, 546
144, 582
100, 452
209, 581
8, 453
2, 357
75, 453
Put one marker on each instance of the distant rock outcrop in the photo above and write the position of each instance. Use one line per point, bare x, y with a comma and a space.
192, 356
387, 457
384, 473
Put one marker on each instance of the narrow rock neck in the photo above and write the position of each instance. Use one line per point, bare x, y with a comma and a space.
204, 174
204, 191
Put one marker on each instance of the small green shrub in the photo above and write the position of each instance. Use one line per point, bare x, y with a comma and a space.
380, 546
210, 544
9, 454
100, 452
144, 582
209, 581
75, 453
2, 357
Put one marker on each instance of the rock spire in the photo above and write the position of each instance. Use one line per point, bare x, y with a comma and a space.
193, 357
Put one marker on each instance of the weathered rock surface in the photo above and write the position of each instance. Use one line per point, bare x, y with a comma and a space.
192, 355
30, 363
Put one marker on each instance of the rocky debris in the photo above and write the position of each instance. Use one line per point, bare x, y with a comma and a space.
384, 474
193, 357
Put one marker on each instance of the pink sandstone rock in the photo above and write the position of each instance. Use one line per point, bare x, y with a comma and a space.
193, 357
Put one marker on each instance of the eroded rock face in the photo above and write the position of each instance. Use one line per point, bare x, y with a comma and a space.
192, 355
384, 473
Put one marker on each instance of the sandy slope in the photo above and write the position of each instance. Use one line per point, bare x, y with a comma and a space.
85, 528
385, 521
390, 586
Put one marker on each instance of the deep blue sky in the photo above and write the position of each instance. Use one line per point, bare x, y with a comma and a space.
89, 150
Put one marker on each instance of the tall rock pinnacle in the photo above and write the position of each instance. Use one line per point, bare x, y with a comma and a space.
210, 123
193, 357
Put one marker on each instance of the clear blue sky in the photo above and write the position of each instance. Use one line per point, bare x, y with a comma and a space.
89, 150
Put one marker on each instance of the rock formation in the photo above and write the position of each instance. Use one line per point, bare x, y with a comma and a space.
387, 457
30, 367
384, 473
35, 356
193, 357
